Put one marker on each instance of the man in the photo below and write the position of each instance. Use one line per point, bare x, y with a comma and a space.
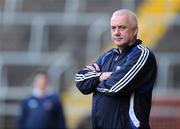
42, 109
122, 79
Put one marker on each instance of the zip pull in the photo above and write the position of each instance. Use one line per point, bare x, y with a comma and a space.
116, 58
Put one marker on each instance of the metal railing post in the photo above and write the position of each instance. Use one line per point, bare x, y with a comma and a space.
95, 31
37, 33
9, 10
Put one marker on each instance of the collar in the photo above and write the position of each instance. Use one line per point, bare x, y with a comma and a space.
39, 94
128, 48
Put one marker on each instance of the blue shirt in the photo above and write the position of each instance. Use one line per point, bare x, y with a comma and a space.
41, 113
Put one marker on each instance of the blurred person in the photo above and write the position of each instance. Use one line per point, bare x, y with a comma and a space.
121, 79
42, 109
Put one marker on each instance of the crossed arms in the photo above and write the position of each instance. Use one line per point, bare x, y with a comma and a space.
89, 77
138, 70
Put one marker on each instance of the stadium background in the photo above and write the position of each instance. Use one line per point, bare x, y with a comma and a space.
61, 36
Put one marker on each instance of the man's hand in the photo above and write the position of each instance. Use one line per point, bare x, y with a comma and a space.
93, 67
105, 76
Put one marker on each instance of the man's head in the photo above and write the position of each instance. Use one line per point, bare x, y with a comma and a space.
124, 28
41, 80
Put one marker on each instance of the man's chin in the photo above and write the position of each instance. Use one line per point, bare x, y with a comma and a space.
119, 44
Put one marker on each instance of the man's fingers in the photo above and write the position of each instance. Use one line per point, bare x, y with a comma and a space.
91, 68
105, 76
96, 66
109, 73
85, 68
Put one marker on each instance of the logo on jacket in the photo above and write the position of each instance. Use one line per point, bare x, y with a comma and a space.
118, 68
33, 103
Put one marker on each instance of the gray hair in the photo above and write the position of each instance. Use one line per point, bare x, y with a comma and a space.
132, 16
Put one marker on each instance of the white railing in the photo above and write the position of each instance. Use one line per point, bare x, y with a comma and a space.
165, 62
58, 63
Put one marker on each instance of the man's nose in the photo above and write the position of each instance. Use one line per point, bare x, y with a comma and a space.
117, 31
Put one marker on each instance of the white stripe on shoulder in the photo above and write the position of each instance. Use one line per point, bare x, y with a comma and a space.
130, 71
133, 71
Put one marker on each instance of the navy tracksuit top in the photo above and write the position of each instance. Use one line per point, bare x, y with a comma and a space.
123, 101
41, 113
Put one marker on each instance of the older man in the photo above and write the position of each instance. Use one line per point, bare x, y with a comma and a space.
121, 79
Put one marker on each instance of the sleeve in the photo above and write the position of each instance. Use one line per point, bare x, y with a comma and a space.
22, 116
60, 122
138, 68
86, 80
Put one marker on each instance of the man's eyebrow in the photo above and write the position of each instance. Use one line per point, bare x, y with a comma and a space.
112, 26
119, 26
122, 26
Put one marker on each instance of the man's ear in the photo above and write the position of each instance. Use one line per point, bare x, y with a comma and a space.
135, 31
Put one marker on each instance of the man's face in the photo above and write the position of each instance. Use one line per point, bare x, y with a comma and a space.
41, 81
122, 31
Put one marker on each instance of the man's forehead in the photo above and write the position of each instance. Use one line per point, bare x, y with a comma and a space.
120, 19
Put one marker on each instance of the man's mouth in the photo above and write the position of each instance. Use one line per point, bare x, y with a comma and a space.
118, 39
